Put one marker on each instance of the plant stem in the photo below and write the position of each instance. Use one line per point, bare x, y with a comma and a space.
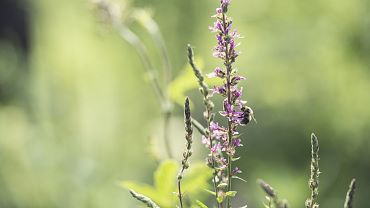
199, 127
228, 91
166, 136
132, 38
179, 190
212, 157
162, 96
208, 114
315, 172
151, 26
187, 153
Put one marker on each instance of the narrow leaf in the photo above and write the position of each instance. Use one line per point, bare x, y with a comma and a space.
220, 199
201, 204
210, 192
350, 194
231, 193
236, 177
221, 185
144, 199
198, 126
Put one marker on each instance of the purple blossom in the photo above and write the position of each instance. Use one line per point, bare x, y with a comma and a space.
218, 10
236, 171
236, 94
237, 142
224, 5
218, 72
219, 90
217, 26
217, 129
233, 115
206, 141
216, 147
236, 79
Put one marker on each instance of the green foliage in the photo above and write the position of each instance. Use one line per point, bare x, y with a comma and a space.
200, 204
144, 199
307, 67
185, 82
164, 190
231, 193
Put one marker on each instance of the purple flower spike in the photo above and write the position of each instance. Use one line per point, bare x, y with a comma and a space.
224, 140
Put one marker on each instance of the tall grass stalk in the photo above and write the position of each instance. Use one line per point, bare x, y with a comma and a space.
315, 172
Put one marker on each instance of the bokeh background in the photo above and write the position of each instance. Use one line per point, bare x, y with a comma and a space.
76, 108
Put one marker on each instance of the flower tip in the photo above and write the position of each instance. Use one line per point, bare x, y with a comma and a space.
187, 100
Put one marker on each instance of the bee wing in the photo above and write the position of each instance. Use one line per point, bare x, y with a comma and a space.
254, 119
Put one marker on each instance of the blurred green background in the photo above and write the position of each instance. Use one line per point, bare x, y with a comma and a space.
76, 109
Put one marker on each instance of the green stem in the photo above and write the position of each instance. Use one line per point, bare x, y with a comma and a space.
199, 127
179, 190
166, 136
228, 91
132, 38
162, 95
208, 117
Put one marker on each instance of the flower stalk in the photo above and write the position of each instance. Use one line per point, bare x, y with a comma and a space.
208, 115
111, 13
187, 153
274, 201
315, 172
226, 139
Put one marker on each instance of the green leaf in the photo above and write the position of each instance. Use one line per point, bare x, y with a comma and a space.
201, 204
235, 159
145, 189
197, 178
220, 199
236, 177
165, 185
165, 177
211, 192
231, 193
221, 185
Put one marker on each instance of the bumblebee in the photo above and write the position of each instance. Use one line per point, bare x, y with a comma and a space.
247, 115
